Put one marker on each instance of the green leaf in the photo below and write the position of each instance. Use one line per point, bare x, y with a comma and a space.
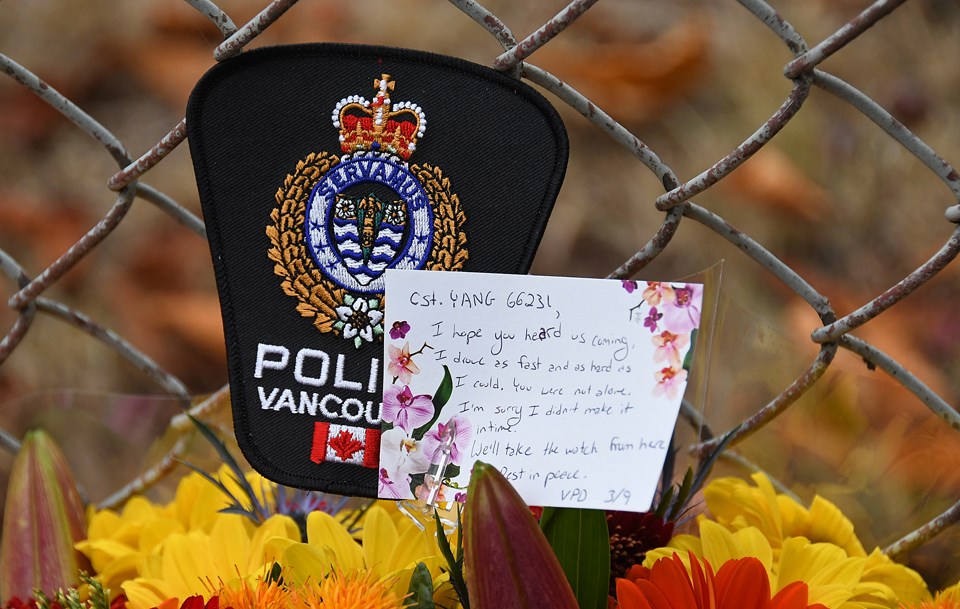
451, 471
683, 495
546, 516
440, 398
508, 561
276, 574
689, 357
415, 481
454, 565
665, 501
582, 544
420, 592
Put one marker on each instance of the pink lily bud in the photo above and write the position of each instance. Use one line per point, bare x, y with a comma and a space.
508, 561
43, 519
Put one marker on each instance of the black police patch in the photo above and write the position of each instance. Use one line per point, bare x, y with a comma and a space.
317, 172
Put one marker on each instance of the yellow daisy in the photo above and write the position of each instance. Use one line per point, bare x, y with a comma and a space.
163, 553
118, 544
816, 545
389, 550
234, 551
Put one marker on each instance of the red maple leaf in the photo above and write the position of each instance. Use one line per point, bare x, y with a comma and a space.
345, 445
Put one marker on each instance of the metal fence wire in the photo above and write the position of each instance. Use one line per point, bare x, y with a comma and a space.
33, 303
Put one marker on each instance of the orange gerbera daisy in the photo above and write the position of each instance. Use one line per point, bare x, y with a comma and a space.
946, 599
359, 591
739, 584
336, 591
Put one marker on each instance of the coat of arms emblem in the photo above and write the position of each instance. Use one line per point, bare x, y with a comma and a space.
341, 222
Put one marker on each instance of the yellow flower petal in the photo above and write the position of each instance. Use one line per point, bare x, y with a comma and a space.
827, 523
230, 545
186, 563
188, 489
139, 510
323, 530
153, 534
905, 584
143, 593
414, 546
302, 562
266, 546
769, 513
680, 544
379, 540
831, 575
119, 571
103, 552
737, 505
103, 524
720, 545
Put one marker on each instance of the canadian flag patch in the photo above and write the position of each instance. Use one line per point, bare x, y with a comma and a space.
345, 444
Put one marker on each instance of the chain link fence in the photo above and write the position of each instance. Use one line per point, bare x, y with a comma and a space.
34, 303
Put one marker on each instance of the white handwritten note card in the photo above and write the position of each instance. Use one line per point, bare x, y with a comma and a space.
571, 387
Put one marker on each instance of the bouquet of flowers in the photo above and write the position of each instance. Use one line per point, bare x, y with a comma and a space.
230, 538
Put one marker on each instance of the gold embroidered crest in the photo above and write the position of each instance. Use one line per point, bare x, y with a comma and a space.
340, 222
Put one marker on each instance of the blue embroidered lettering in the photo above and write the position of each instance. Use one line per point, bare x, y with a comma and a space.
379, 173
353, 172
338, 178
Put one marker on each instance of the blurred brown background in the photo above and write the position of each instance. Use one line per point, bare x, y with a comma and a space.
832, 196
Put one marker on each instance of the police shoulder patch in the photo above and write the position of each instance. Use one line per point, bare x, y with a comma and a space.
313, 187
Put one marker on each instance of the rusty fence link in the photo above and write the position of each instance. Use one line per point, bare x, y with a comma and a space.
33, 303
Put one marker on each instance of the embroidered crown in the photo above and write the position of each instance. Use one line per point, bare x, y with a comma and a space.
379, 125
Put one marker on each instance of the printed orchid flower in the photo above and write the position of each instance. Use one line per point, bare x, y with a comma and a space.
359, 319
658, 292
401, 366
399, 330
669, 347
670, 382
392, 489
400, 456
406, 410
652, 318
629, 285
683, 315
433, 440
